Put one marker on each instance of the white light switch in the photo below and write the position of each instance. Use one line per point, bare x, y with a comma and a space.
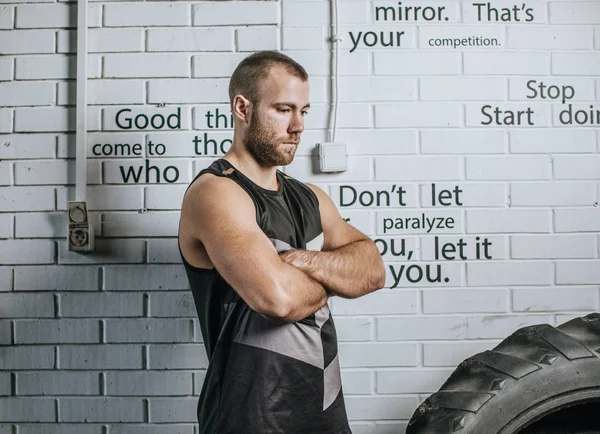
333, 157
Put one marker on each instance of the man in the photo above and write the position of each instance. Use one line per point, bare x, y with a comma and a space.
263, 252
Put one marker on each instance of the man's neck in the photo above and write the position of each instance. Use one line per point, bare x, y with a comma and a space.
265, 177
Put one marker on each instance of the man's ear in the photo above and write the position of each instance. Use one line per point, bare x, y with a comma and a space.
242, 108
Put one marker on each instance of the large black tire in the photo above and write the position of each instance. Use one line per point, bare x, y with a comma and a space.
532, 373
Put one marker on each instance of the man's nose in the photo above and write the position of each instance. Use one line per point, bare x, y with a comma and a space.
296, 124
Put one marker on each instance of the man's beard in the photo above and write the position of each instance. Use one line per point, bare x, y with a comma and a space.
263, 144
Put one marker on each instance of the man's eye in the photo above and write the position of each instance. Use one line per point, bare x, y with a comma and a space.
283, 110
304, 113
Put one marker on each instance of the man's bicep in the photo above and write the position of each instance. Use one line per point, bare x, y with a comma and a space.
237, 247
336, 231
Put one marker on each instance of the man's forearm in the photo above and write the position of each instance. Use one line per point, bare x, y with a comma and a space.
349, 271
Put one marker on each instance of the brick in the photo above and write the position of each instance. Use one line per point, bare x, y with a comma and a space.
461, 89
6, 226
378, 408
576, 167
374, 354
173, 410
554, 299
302, 169
479, 15
55, 16
151, 277
417, 63
552, 246
7, 14
149, 330
424, 274
550, 38
136, 225
24, 146
418, 328
452, 354
257, 38
6, 175
520, 115
6, 338
175, 304
104, 198
497, 247
470, 195
47, 225
26, 41
381, 302
6, 121
370, 89
163, 251
180, 356
58, 383
45, 67
508, 221
434, 37
148, 383
57, 332
122, 145
6, 68
60, 428
303, 38
147, 171
572, 63
146, 14
116, 92
209, 39
417, 115
146, 65
508, 168
157, 200
26, 199
359, 38
417, 168
148, 429
551, 194
215, 117
464, 301
355, 382
353, 329
551, 141
509, 273
103, 40
551, 90
356, 63
188, 91
371, 142
123, 118
499, 326
51, 119
101, 305
28, 410
349, 116
361, 220
199, 382
577, 220
54, 172
241, 13
578, 272
27, 357
26, 252
105, 251
585, 12
367, 196
56, 278
6, 279
101, 410
505, 63
100, 357
216, 64
597, 38
411, 380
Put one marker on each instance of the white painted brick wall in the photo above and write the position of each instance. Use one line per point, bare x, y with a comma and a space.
103, 332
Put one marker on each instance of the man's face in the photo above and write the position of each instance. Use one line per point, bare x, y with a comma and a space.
277, 119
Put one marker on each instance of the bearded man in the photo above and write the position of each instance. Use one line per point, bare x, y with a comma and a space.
263, 252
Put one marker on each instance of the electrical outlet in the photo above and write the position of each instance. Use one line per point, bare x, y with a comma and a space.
81, 233
333, 157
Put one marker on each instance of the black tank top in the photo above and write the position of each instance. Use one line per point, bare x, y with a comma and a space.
266, 376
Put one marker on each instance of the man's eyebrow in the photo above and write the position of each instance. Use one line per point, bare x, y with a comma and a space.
292, 105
